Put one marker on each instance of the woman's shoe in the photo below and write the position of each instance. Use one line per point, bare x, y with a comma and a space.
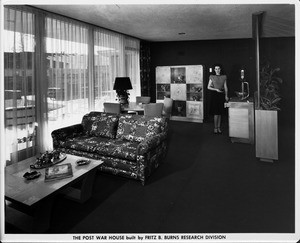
215, 131
219, 131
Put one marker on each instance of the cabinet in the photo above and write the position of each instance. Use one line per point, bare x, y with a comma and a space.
241, 120
184, 84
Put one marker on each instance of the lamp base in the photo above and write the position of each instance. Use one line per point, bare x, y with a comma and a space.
123, 100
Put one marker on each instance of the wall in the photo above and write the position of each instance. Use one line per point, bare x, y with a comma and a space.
281, 53
233, 55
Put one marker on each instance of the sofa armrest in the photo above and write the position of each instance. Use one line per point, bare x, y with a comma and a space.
150, 143
60, 135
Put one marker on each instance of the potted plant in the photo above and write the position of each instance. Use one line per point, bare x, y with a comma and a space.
266, 117
269, 88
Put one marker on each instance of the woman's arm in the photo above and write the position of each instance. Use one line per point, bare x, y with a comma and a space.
210, 86
226, 90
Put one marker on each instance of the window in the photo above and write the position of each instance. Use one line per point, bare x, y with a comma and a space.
19, 93
56, 70
114, 56
67, 72
132, 65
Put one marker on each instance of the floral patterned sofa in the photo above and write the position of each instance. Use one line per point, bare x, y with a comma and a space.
130, 145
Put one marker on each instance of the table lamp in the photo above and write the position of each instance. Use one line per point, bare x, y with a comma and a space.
122, 84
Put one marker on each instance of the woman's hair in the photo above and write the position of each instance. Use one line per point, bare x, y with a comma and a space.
218, 65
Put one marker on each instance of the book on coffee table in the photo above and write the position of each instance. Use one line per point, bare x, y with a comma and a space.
58, 172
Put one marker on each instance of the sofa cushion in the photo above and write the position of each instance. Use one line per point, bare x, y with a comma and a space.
84, 143
119, 149
103, 146
100, 124
136, 128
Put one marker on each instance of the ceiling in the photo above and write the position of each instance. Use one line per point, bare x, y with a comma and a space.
168, 22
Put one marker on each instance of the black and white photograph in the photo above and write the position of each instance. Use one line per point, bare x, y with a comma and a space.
149, 121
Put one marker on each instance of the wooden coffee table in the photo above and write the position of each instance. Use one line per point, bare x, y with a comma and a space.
35, 197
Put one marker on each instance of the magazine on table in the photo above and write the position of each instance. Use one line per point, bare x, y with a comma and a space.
58, 172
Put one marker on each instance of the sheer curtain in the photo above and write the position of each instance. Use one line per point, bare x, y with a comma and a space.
19, 84
66, 45
114, 56
108, 64
132, 64
56, 70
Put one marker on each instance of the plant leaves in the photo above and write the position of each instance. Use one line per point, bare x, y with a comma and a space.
276, 100
264, 106
277, 79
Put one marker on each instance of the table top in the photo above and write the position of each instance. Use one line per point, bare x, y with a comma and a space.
236, 99
29, 192
133, 106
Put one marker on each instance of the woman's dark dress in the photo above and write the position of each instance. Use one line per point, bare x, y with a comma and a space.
217, 99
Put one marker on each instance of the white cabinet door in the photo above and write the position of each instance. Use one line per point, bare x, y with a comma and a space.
238, 123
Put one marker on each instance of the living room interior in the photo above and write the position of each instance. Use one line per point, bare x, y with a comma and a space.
61, 62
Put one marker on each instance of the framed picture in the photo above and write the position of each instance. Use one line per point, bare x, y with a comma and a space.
178, 92
193, 109
178, 75
179, 108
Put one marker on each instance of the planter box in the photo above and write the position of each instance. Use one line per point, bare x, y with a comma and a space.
266, 131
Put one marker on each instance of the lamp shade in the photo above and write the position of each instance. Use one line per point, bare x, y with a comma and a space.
122, 83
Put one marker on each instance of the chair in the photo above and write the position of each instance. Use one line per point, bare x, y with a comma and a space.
112, 107
167, 109
142, 99
153, 109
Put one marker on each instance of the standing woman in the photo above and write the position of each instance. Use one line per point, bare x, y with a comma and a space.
217, 84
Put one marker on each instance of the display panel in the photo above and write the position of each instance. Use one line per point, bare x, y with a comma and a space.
184, 84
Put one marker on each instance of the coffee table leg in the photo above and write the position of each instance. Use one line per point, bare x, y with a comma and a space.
32, 220
42, 216
85, 192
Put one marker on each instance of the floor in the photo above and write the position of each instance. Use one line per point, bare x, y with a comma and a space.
205, 185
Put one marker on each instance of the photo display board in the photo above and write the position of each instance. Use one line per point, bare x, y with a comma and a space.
184, 84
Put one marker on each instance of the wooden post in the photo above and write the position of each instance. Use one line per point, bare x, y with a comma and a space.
256, 31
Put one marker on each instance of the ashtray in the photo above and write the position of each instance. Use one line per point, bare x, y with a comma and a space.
83, 162
31, 175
